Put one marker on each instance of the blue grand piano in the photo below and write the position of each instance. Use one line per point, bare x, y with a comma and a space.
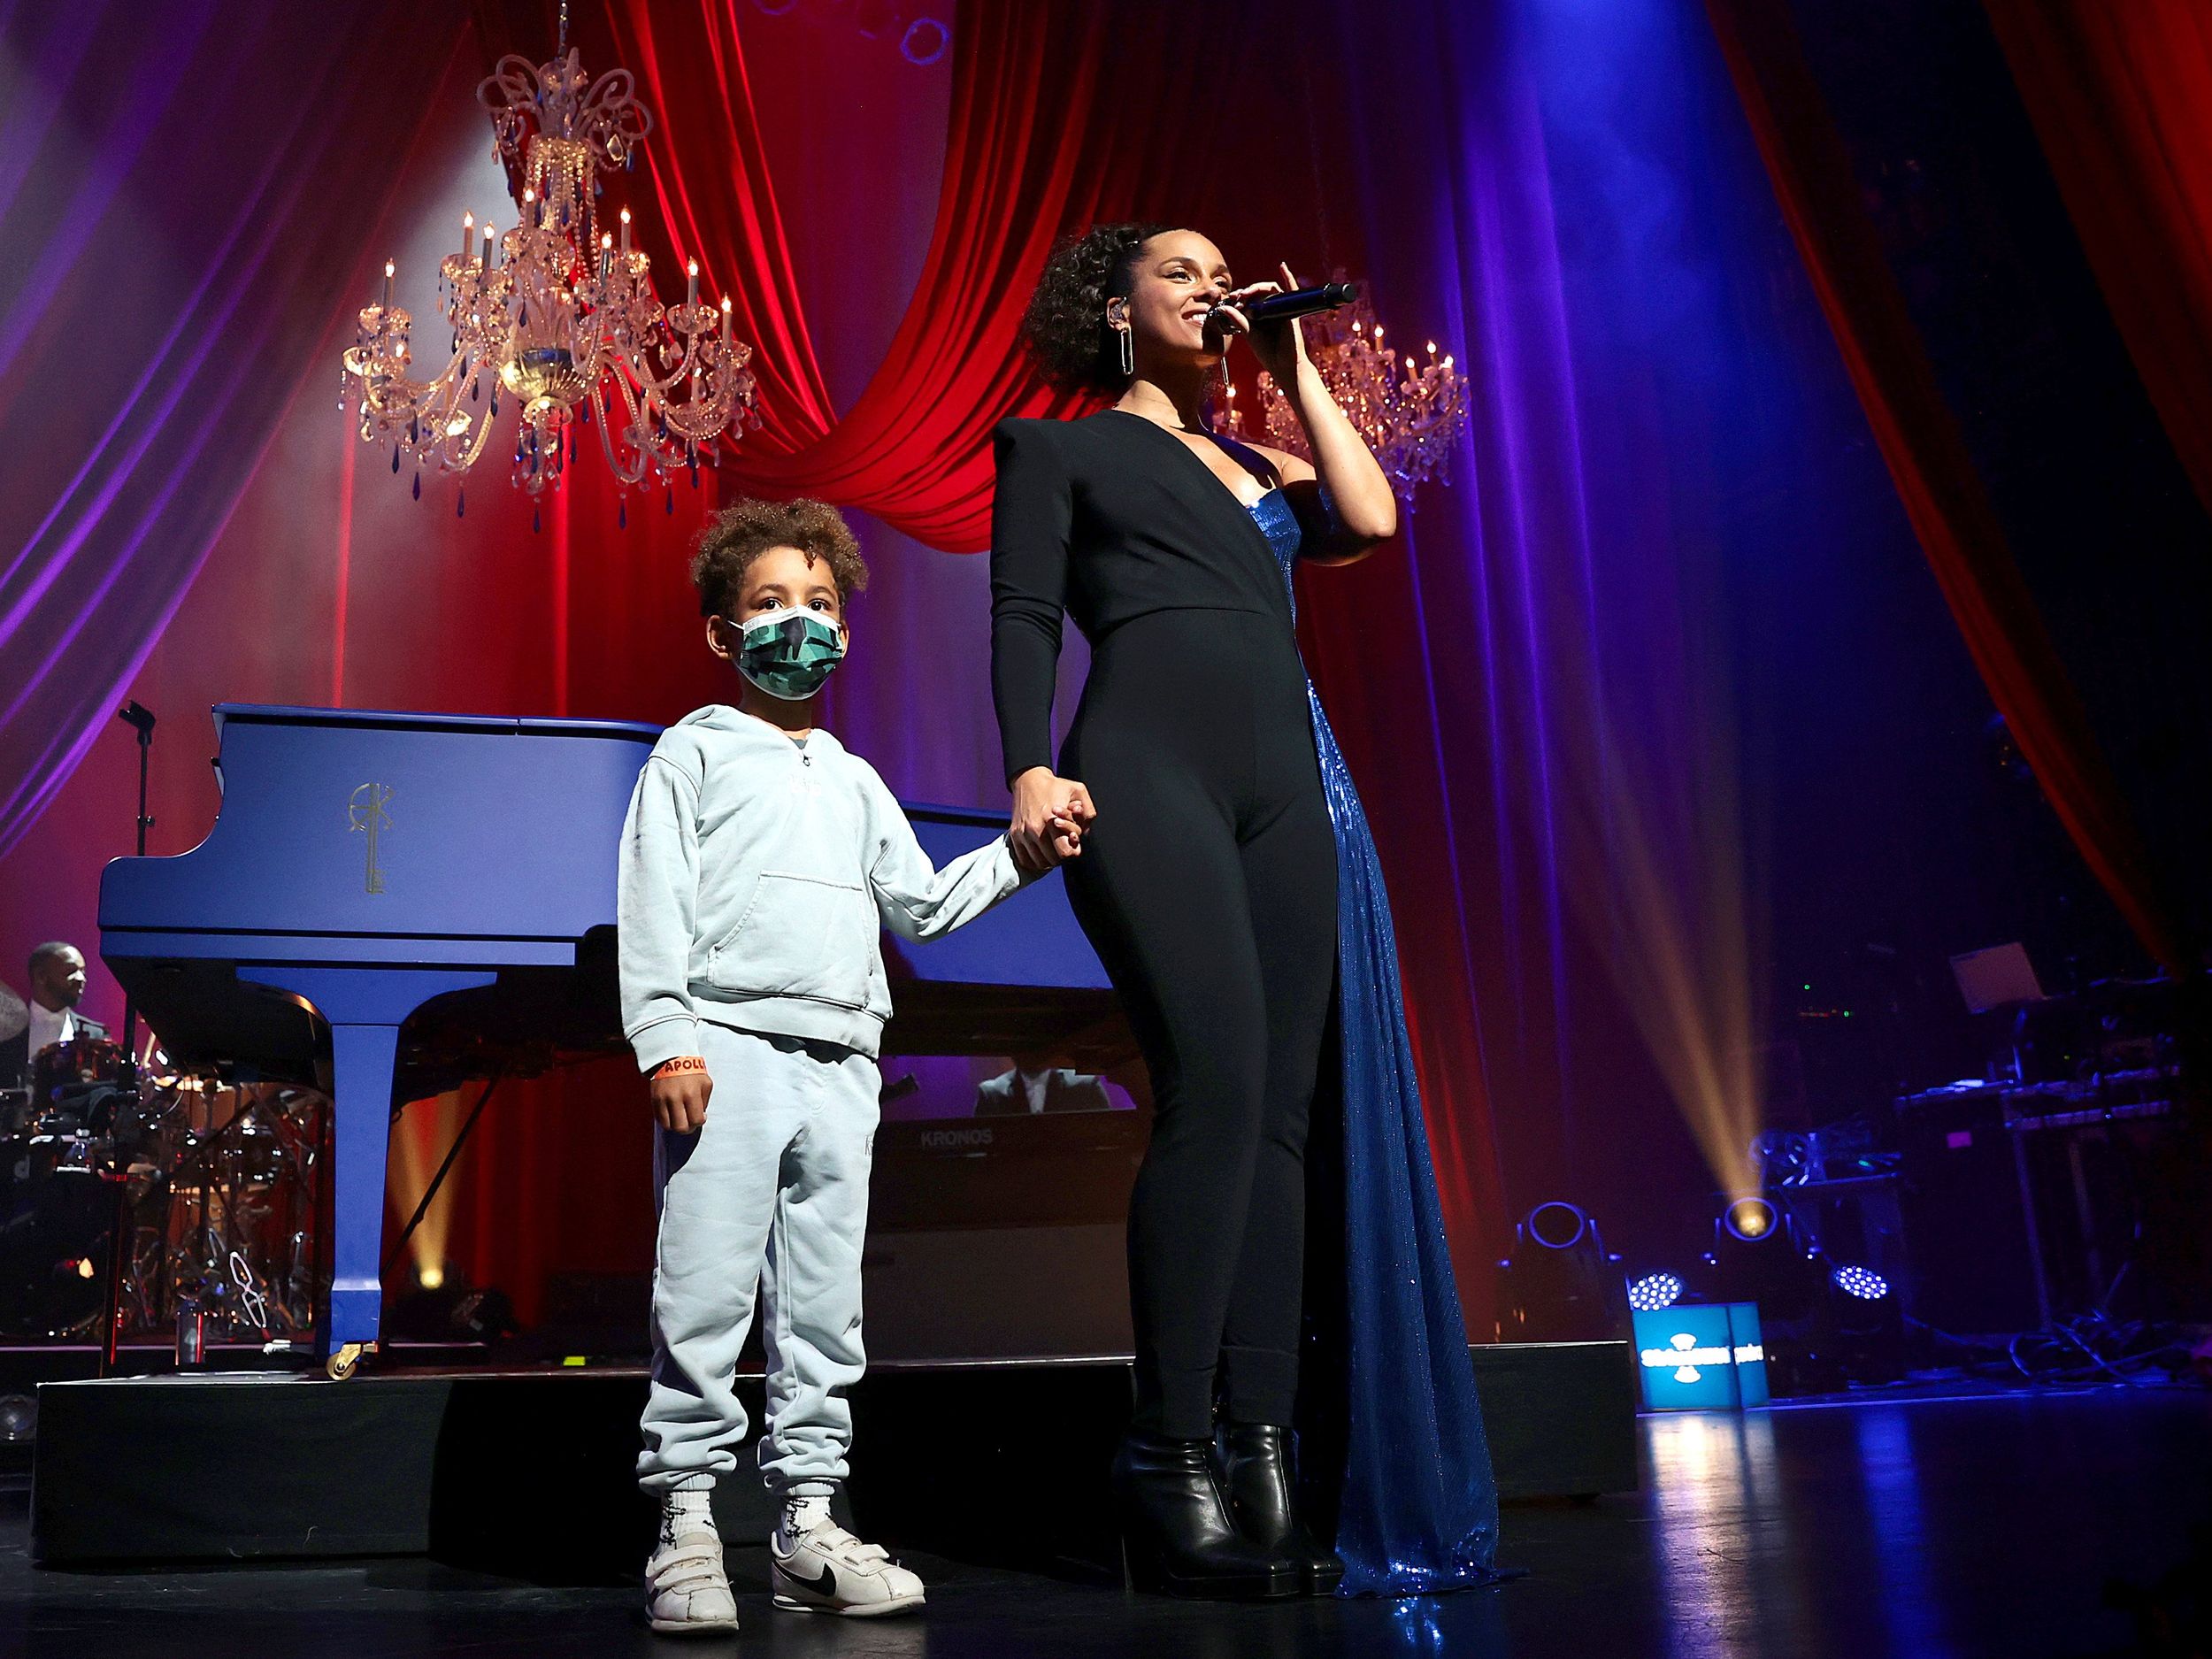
389, 904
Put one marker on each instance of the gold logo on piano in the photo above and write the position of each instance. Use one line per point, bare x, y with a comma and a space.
366, 816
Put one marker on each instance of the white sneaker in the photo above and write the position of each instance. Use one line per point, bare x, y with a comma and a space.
686, 1590
829, 1570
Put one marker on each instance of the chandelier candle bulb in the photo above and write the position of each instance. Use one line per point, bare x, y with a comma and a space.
726, 322
389, 267
626, 230
468, 236
691, 287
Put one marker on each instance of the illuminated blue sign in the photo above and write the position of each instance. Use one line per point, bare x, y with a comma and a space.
1701, 1359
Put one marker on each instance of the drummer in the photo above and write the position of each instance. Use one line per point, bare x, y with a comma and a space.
56, 973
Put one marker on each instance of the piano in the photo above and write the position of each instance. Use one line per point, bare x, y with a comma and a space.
389, 904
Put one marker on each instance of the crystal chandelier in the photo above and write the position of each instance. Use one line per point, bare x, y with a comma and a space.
554, 313
1410, 413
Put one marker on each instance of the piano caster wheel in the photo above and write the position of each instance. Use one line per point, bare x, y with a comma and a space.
347, 1360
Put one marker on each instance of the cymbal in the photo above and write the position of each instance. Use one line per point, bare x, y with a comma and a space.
15, 1014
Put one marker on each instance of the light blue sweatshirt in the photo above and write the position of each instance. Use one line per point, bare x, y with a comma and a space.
754, 876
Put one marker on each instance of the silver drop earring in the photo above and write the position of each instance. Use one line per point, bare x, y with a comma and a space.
1128, 349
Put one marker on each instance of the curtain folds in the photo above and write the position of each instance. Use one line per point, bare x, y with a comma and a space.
174, 229
1043, 139
714, 200
1927, 456
2121, 96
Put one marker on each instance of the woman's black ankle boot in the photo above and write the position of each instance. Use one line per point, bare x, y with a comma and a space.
1252, 1461
1176, 1531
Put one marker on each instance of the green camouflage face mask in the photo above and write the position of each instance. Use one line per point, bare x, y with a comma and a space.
790, 653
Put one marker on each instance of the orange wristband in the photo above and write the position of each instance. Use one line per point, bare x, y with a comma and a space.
681, 1063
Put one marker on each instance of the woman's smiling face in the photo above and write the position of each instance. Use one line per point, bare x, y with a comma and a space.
1179, 278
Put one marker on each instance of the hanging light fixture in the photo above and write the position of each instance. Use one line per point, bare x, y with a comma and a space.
555, 313
1410, 413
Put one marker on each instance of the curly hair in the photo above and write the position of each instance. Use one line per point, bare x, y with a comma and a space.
745, 529
1065, 325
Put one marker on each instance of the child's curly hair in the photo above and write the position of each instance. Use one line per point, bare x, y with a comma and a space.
745, 529
1065, 325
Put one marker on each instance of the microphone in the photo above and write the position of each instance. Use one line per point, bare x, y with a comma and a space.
138, 715
1281, 308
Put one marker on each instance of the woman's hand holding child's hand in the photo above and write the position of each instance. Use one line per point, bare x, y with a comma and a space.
1051, 816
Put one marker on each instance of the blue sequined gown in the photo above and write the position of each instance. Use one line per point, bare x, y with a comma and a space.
1419, 1511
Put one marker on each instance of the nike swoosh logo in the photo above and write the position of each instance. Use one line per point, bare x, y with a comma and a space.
824, 1585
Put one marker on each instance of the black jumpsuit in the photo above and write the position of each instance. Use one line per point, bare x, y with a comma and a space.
1208, 884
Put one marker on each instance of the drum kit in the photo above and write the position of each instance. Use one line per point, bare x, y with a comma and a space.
210, 1180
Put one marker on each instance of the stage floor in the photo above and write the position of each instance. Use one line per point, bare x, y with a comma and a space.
1986, 1525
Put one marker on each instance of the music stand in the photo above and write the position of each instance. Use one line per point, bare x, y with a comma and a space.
1997, 977
140, 718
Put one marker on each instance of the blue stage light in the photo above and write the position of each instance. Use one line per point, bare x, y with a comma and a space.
1561, 1284
1862, 1282
1556, 1224
926, 41
1655, 1290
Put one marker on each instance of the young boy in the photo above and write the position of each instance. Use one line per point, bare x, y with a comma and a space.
759, 861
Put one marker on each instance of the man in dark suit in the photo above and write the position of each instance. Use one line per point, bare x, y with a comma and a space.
51, 1016
1036, 1084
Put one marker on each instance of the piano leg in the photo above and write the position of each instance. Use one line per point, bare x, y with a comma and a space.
362, 1062
365, 1008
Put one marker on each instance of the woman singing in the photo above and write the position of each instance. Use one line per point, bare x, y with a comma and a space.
1226, 833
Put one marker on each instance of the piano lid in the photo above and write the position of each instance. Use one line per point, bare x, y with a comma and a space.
365, 825
384, 839
370, 824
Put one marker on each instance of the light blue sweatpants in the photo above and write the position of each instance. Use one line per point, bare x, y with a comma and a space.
771, 1196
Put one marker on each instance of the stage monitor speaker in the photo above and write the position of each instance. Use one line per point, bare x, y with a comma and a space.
1973, 1265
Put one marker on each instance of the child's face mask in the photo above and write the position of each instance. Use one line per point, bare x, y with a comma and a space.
788, 653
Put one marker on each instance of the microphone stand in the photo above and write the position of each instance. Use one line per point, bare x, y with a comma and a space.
140, 720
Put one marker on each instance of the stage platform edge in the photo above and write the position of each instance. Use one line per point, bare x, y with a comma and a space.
259, 1466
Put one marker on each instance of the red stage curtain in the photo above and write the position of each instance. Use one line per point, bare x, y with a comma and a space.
2121, 98
717, 203
1045, 137
1927, 457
